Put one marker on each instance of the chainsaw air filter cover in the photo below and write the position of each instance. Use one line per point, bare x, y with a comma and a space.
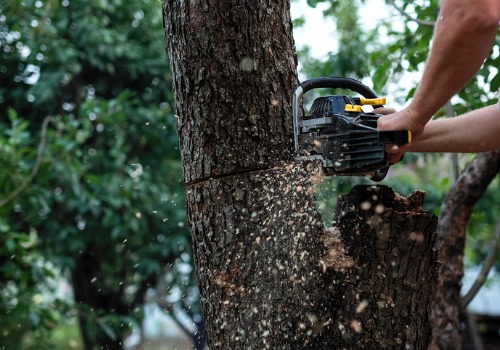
337, 132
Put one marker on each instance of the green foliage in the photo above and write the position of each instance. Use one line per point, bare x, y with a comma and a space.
66, 336
88, 148
24, 274
354, 43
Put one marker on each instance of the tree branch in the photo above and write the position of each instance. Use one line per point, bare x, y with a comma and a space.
485, 270
410, 17
472, 327
450, 112
36, 167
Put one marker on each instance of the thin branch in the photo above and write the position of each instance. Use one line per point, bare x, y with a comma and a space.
410, 17
485, 270
450, 112
455, 213
36, 167
167, 308
474, 334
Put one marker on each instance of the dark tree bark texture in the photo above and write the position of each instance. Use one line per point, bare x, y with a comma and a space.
270, 275
448, 315
233, 66
257, 242
388, 291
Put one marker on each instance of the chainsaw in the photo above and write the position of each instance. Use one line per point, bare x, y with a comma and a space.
339, 134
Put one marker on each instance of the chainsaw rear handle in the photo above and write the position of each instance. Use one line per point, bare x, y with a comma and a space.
324, 82
397, 137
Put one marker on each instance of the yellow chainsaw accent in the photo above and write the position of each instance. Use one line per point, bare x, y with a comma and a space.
373, 101
352, 108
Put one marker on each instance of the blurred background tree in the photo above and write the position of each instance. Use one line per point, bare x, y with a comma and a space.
90, 184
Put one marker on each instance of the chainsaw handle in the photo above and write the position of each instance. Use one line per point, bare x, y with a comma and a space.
338, 83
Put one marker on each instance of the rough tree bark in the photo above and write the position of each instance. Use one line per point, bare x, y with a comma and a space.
270, 274
447, 311
388, 289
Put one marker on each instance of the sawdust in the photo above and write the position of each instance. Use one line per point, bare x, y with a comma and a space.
335, 257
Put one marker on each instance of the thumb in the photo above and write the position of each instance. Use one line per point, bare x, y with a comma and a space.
384, 110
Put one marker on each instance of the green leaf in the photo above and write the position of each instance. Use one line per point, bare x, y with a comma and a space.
107, 330
445, 182
12, 114
495, 83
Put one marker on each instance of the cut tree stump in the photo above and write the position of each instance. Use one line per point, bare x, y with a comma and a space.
383, 264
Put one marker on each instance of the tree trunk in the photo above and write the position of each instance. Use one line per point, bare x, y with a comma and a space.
258, 249
233, 66
98, 301
447, 312
260, 246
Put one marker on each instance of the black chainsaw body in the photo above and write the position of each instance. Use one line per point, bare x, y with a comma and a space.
337, 131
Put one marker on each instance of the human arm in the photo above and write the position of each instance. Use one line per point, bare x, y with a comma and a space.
476, 131
463, 38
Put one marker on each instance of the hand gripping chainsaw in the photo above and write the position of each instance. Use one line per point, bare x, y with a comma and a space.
339, 134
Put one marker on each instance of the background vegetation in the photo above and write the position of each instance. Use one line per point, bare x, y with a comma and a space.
92, 212
91, 204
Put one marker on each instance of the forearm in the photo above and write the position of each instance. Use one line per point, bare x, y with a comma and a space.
477, 131
462, 40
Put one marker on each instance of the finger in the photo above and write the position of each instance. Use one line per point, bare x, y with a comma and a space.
394, 149
385, 122
395, 158
384, 110
397, 149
